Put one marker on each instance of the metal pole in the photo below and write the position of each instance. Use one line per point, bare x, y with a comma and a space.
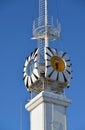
46, 23
20, 116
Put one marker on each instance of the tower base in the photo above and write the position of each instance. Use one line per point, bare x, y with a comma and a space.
48, 111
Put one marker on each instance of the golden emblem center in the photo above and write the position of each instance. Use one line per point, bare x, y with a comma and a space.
57, 63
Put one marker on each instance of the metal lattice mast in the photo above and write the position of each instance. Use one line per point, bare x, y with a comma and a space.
41, 8
46, 23
42, 20
43, 15
45, 29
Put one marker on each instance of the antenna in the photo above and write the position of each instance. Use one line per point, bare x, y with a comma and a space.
20, 116
46, 23
45, 29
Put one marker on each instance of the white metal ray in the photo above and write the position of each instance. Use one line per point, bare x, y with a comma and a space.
29, 81
35, 71
26, 80
68, 76
33, 78
61, 78
54, 75
48, 71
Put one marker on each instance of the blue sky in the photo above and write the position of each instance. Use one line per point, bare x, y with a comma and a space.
16, 17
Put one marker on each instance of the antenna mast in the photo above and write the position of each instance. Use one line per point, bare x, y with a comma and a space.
46, 23
20, 116
45, 28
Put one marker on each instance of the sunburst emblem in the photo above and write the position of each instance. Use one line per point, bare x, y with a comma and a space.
31, 74
58, 66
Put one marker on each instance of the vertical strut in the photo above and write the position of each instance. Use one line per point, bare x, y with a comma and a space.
46, 23
41, 8
41, 50
43, 14
43, 21
20, 116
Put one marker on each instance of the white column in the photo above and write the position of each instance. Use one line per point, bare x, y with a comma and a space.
48, 111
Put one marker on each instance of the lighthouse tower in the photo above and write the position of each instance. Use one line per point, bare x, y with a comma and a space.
47, 72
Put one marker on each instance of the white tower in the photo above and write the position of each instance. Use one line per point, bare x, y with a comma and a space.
48, 111
47, 72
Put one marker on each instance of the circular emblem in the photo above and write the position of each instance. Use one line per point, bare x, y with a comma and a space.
31, 74
57, 68
58, 63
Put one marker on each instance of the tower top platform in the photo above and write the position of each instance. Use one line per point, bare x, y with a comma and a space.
48, 97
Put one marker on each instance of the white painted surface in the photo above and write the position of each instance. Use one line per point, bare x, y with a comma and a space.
48, 111
36, 117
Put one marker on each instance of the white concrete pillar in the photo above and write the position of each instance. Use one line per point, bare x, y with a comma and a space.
48, 111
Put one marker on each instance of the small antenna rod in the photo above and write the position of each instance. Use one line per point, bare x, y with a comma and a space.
20, 116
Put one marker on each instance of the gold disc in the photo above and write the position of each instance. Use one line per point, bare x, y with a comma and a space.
57, 63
